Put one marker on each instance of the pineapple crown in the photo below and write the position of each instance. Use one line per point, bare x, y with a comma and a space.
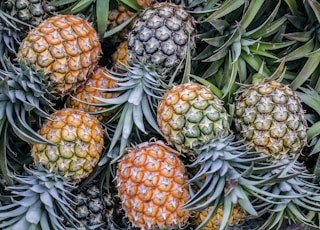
24, 98
141, 88
40, 198
9, 36
299, 195
228, 172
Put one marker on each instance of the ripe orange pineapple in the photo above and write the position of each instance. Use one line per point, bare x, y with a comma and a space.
77, 139
85, 98
152, 185
66, 47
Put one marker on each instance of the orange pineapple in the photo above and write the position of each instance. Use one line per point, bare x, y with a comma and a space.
86, 95
152, 185
66, 47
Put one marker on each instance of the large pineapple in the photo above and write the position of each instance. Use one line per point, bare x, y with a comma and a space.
77, 141
66, 47
270, 117
189, 115
152, 185
162, 36
86, 95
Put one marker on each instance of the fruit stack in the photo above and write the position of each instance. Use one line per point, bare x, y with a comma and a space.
159, 114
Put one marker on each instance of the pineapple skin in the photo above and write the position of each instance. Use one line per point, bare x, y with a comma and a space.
152, 186
190, 115
78, 139
270, 117
66, 47
214, 223
160, 37
86, 95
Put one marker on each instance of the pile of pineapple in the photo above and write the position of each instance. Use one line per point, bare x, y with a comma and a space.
131, 114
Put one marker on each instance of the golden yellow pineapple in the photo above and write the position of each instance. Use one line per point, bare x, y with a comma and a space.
86, 95
77, 138
238, 215
152, 185
68, 49
120, 56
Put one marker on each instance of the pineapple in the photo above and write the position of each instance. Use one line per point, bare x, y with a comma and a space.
237, 216
31, 12
233, 174
270, 117
117, 17
152, 185
78, 140
38, 199
120, 56
90, 206
189, 115
161, 36
86, 95
66, 47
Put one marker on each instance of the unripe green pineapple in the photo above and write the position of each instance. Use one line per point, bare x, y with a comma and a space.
190, 115
270, 117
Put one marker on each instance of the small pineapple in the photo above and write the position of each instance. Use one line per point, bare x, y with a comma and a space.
152, 185
270, 117
162, 36
86, 95
190, 115
77, 141
66, 47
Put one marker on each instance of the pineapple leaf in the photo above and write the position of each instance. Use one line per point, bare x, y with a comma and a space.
300, 52
309, 67
102, 12
251, 13
227, 7
213, 88
313, 131
227, 212
315, 5
33, 214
